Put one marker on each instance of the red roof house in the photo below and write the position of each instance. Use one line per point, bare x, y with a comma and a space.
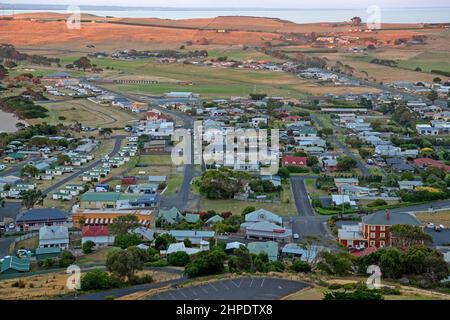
427, 162
97, 234
292, 118
128, 181
294, 161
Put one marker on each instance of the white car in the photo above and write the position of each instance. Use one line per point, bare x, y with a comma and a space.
11, 225
430, 225
2, 167
296, 236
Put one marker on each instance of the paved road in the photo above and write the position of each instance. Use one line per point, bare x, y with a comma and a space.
361, 166
306, 223
15, 170
117, 293
118, 142
442, 204
247, 288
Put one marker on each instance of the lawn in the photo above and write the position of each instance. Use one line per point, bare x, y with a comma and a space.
310, 185
173, 184
427, 61
440, 217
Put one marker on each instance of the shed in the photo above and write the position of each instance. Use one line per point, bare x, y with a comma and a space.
13, 265
47, 253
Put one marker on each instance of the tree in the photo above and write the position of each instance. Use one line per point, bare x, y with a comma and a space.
29, 171
248, 210
433, 96
390, 263
32, 197
88, 246
66, 259
63, 159
10, 64
82, 63
345, 163
124, 263
206, 263
105, 132
405, 236
300, 266
356, 21
178, 259
242, 260
98, 280
437, 80
3, 72
123, 224
126, 240
187, 243
163, 241
421, 260
335, 263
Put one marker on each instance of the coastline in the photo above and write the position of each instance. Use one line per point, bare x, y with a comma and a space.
8, 122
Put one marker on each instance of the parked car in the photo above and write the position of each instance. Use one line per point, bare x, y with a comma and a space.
430, 225
2, 167
296, 236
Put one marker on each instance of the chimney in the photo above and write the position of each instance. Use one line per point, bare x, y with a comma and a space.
388, 215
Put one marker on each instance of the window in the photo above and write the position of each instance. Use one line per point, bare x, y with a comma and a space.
372, 243
382, 235
372, 235
372, 228
382, 243
382, 228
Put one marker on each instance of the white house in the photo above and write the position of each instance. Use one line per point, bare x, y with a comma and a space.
54, 236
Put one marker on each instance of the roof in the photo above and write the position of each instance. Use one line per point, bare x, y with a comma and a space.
171, 215
234, 245
44, 214
94, 231
294, 160
53, 233
307, 254
389, 219
100, 196
157, 178
364, 252
191, 234
263, 215
214, 219
176, 247
148, 234
430, 162
269, 247
48, 250
192, 217
265, 226
17, 264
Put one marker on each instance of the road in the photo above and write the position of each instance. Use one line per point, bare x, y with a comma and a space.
246, 288
361, 166
306, 222
15, 171
442, 204
118, 143
117, 293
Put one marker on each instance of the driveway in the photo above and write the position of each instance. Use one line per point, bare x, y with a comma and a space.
247, 288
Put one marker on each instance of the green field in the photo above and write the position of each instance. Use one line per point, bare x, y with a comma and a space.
240, 55
427, 61
209, 82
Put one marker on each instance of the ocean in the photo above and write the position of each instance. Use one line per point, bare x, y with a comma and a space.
388, 15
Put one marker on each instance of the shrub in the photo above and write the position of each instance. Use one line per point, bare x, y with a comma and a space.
141, 280
66, 259
179, 259
158, 263
99, 280
300, 266
377, 203
88, 246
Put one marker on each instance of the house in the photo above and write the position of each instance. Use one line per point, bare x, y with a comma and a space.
192, 217
342, 199
231, 246
145, 233
177, 95
423, 163
269, 247
54, 236
47, 253
13, 264
195, 236
119, 201
262, 215
98, 234
213, 220
355, 191
340, 182
409, 185
307, 254
157, 179
329, 164
34, 219
258, 120
180, 246
106, 216
294, 161
139, 107
170, 216
264, 230
373, 231
155, 147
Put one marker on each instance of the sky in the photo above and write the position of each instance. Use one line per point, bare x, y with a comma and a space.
300, 4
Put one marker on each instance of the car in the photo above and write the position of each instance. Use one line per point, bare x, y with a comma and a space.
2, 167
430, 225
11, 225
296, 236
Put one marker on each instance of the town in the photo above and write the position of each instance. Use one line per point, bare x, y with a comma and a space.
88, 177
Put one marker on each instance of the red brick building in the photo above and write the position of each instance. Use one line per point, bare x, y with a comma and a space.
373, 231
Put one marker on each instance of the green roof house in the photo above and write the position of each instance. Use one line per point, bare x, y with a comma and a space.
192, 217
171, 216
14, 265
47, 253
268, 247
